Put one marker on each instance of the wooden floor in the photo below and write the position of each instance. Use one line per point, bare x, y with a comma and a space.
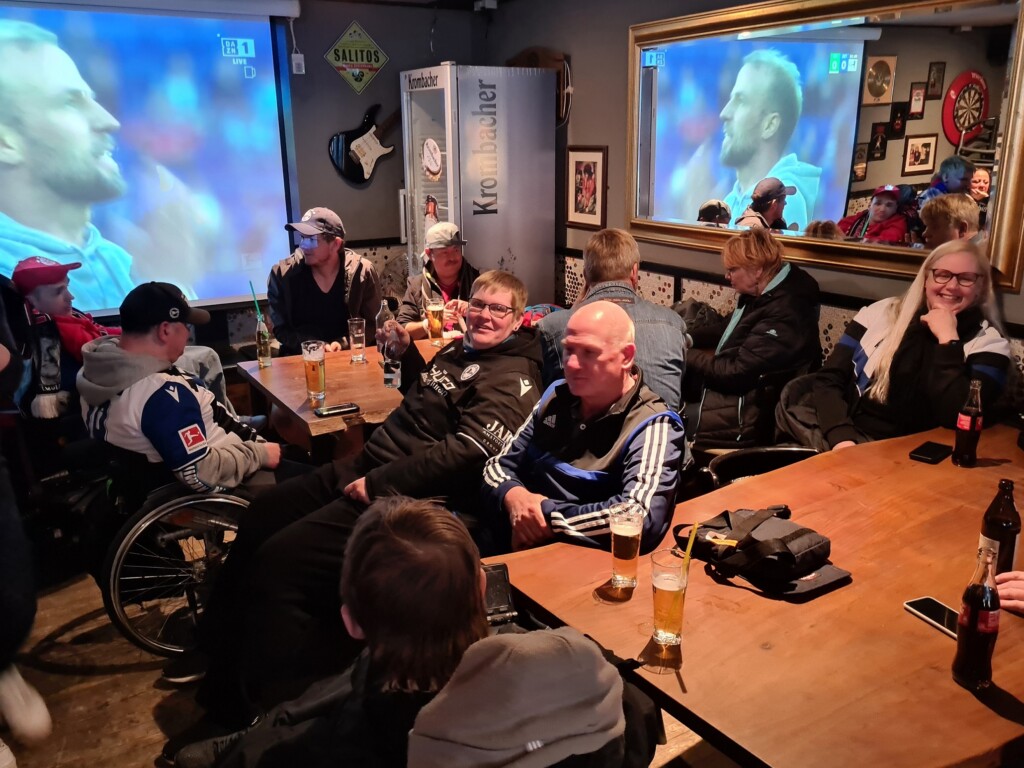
111, 711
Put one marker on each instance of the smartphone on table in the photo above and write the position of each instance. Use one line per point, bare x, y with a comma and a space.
931, 453
931, 611
336, 410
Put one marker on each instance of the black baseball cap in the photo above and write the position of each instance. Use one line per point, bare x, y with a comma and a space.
150, 304
318, 221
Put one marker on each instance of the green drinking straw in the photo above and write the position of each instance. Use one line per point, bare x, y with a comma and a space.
259, 315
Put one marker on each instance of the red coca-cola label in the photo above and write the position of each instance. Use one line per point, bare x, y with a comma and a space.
966, 421
984, 621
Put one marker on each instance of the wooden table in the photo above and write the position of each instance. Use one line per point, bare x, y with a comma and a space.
284, 385
849, 678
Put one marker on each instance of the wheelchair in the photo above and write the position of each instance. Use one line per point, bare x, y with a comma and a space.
160, 566
153, 547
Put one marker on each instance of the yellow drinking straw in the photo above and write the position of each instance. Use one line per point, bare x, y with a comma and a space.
689, 548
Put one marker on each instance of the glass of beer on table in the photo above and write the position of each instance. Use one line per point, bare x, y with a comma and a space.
435, 322
668, 578
627, 523
313, 364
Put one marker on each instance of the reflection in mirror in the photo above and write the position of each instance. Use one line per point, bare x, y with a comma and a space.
857, 120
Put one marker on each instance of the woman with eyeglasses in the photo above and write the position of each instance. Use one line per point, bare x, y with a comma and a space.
904, 364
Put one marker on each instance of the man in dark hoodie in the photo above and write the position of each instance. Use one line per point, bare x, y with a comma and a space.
273, 623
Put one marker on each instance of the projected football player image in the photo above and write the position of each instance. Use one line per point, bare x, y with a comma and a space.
758, 121
56, 162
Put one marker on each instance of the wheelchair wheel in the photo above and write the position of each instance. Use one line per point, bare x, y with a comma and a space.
161, 566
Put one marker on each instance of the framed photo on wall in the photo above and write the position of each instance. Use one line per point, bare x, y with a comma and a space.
936, 79
898, 120
918, 93
860, 162
919, 154
586, 183
879, 77
878, 142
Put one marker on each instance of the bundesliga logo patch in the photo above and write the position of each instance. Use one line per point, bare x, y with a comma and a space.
192, 438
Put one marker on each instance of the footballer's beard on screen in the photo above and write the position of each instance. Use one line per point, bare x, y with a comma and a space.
84, 176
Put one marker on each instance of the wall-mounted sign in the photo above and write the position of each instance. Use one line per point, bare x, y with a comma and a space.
356, 57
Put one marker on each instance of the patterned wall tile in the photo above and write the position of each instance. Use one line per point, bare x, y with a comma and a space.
831, 323
721, 297
657, 287
560, 280
573, 279
392, 264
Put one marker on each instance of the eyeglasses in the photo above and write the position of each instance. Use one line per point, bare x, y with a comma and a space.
966, 279
309, 240
497, 310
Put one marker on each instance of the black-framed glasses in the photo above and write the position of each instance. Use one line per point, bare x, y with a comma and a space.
966, 279
497, 310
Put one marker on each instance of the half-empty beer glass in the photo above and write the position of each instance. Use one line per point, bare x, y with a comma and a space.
627, 523
668, 578
316, 380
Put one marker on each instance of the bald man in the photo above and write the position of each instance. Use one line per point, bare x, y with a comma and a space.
597, 438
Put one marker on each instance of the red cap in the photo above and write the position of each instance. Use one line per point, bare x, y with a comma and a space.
887, 189
34, 271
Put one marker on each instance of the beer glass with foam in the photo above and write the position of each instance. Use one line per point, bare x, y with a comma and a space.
435, 322
627, 523
313, 364
668, 579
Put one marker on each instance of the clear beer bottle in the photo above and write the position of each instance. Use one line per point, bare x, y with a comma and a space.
263, 343
978, 626
968, 428
1000, 528
382, 317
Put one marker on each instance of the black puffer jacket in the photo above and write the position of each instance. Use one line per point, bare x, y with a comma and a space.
458, 411
776, 332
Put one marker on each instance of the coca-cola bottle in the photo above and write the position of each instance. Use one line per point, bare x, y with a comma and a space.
968, 428
978, 626
1000, 528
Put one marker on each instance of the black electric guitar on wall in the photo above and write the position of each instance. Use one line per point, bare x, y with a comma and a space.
355, 153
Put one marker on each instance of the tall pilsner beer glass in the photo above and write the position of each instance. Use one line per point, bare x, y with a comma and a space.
316, 380
627, 523
669, 582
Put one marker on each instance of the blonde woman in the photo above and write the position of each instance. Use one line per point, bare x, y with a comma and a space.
904, 364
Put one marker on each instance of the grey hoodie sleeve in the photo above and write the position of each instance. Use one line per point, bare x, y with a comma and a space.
223, 468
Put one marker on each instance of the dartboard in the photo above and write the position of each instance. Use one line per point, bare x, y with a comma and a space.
965, 103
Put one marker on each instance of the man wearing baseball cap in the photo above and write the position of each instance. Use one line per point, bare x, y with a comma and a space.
447, 277
57, 332
766, 205
311, 295
715, 213
881, 222
135, 398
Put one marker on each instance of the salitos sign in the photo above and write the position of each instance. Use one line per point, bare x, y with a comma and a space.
356, 57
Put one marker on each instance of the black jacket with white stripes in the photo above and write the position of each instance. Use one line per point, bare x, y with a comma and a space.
634, 452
